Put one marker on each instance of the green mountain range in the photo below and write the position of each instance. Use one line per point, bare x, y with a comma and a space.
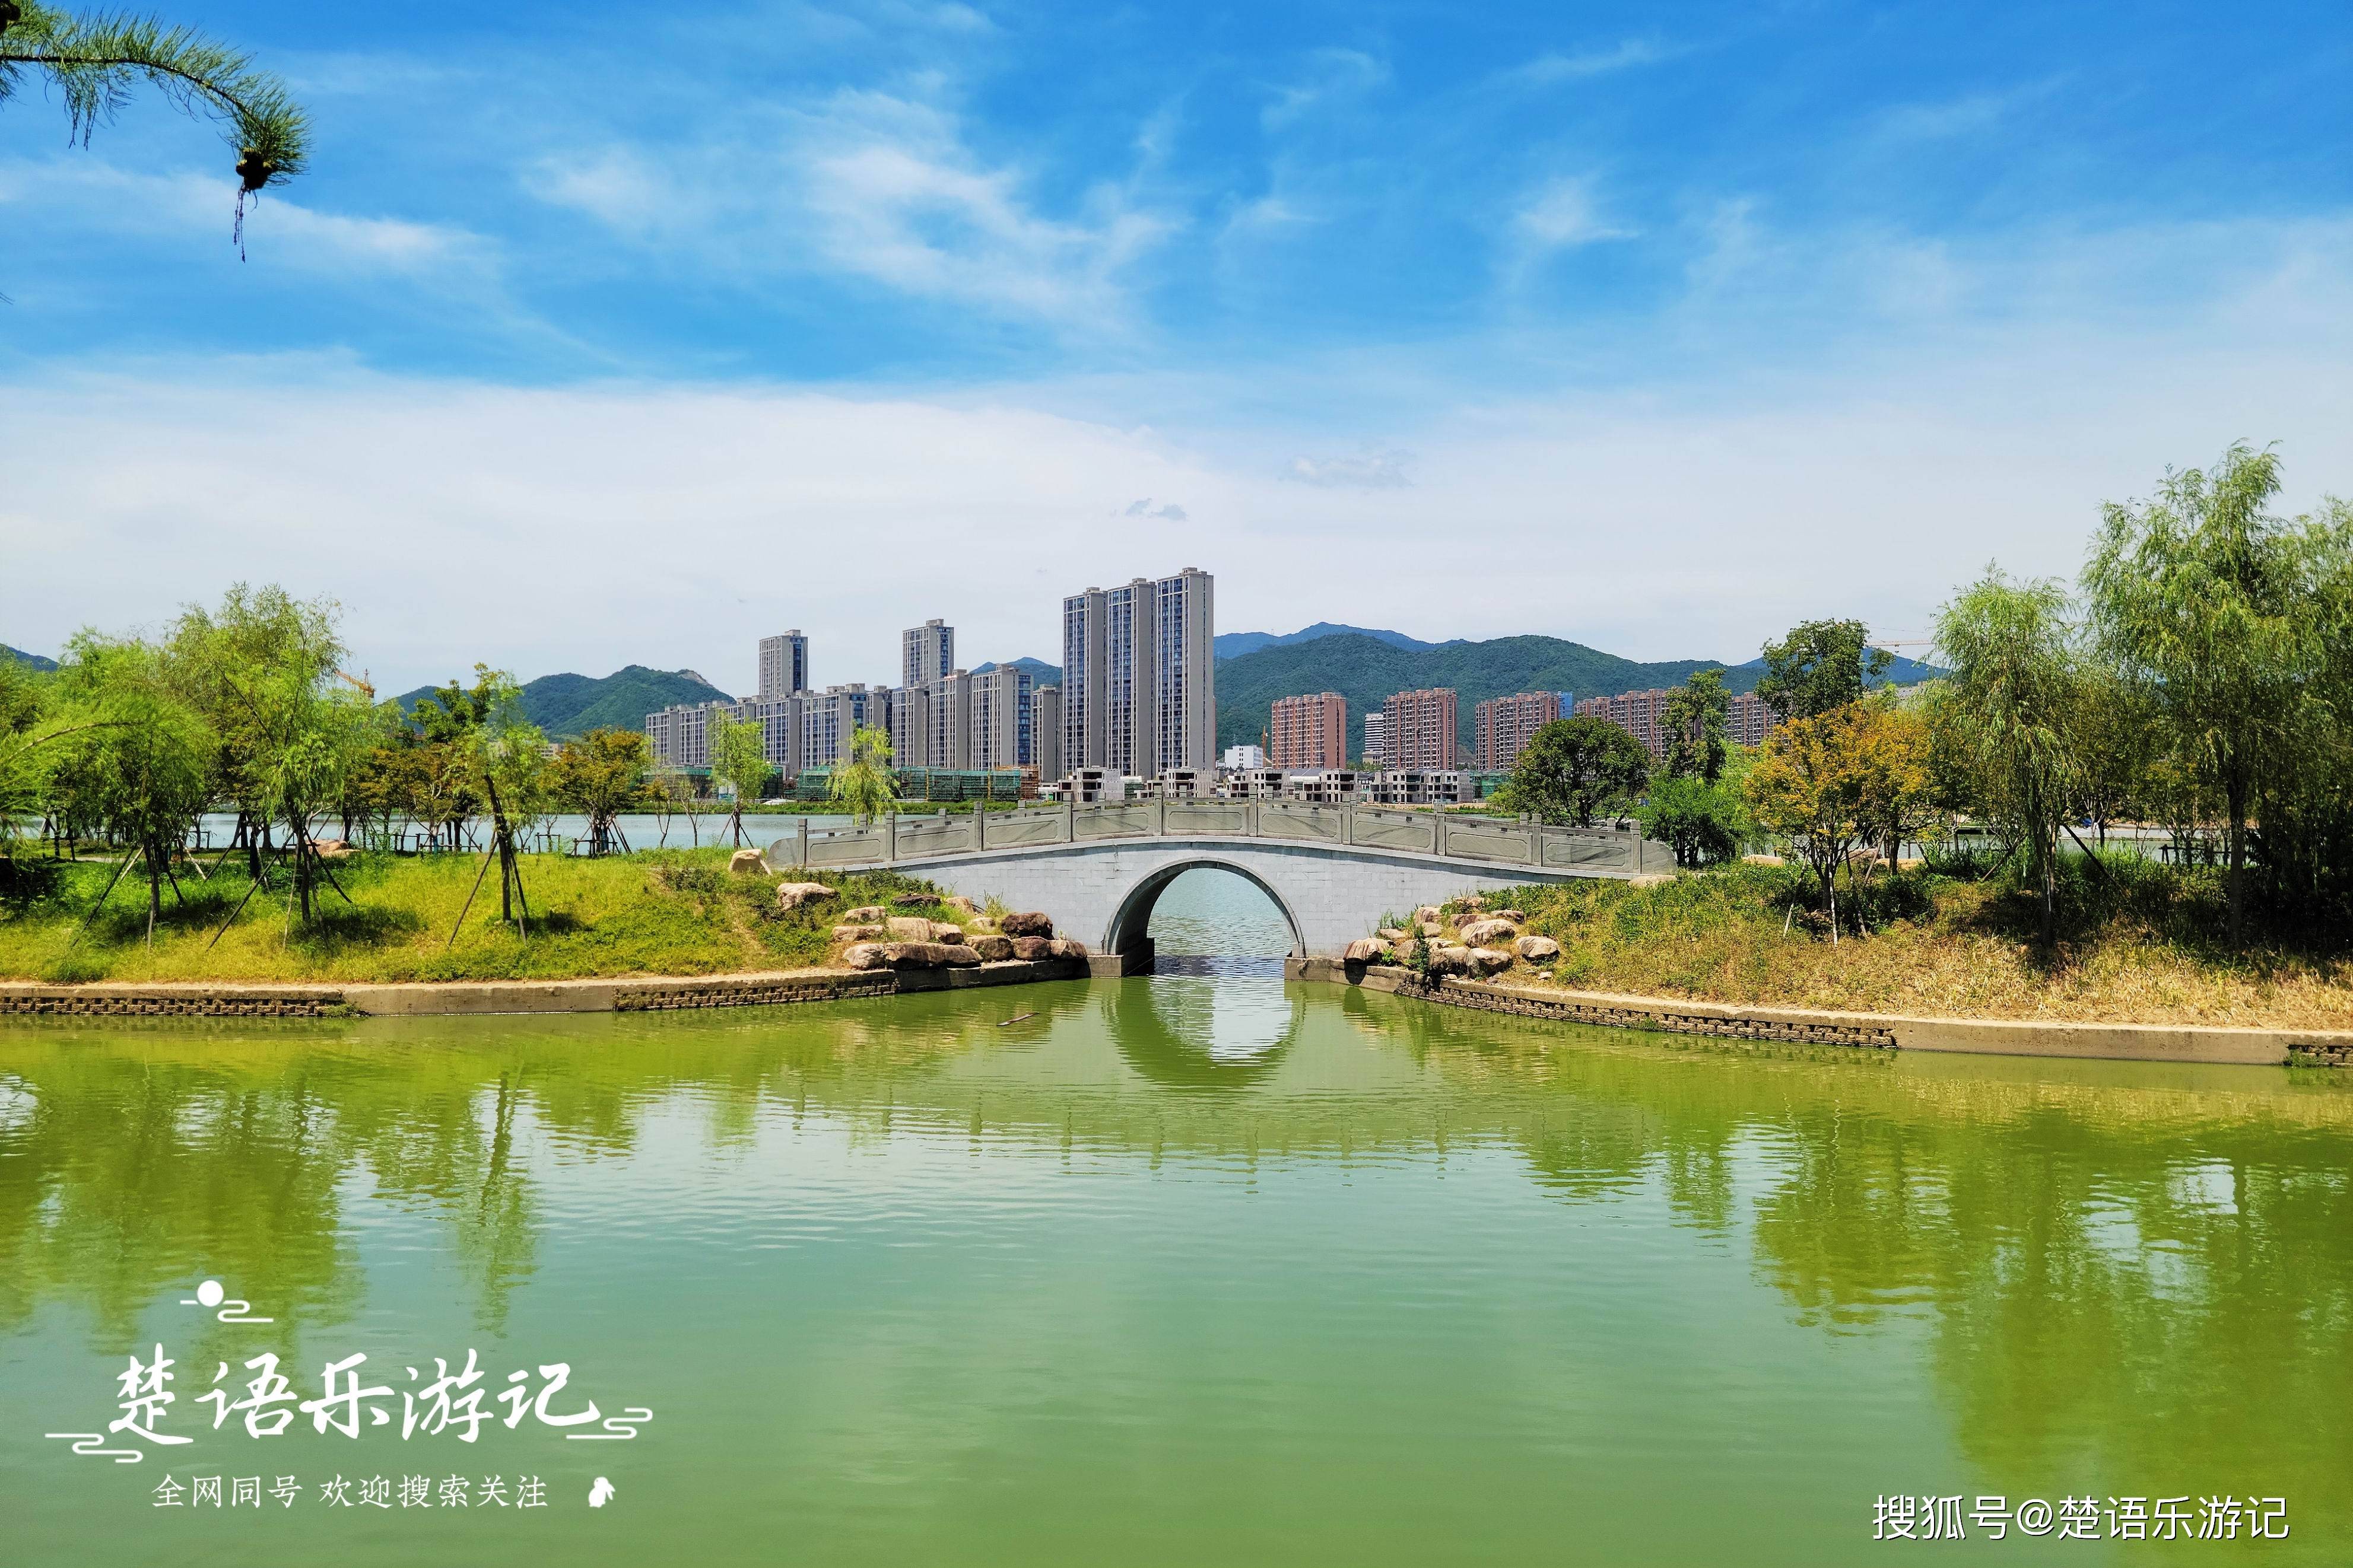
569, 705
21, 656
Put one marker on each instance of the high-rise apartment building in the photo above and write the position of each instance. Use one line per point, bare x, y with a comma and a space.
1644, 714
1749, 718
830, 717
911, 725
1505, 724
679, 735
1139, 692
1636, 712
1004, 722
784, 666
926, 652
1309, 731
1420, 730
779, 719
947, 728
1377, 738
1046, 731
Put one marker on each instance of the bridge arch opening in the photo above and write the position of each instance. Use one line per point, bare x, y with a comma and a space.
1204, 909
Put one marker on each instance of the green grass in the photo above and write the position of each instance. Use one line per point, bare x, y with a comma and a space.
660, 912
2143, 944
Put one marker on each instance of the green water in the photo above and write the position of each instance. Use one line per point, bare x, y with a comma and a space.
1195, 1269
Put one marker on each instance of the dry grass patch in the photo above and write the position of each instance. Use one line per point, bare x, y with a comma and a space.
2142, 945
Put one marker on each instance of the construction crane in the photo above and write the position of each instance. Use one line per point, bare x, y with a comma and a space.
359, 680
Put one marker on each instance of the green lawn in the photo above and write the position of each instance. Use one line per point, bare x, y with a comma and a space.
660, 912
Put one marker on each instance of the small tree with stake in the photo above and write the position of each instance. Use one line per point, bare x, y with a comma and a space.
739, 760
138, 765
92, 62
600, 776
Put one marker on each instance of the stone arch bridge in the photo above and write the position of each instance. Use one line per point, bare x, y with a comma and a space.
1333, 870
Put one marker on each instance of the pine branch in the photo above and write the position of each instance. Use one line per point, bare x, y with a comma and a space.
97, 61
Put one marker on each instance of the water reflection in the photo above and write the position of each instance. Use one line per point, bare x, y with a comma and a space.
2138, 1274
1201, 1033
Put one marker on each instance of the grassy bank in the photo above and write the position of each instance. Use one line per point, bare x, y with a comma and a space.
2142, 945
662, 913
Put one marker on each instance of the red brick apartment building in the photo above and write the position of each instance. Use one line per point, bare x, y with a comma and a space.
1506, 724
1421, 729
1309, 732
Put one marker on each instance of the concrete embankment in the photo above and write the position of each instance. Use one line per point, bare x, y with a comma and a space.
633, 994
1980, 1037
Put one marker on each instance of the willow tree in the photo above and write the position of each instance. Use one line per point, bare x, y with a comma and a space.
2216, 608
740, 761
92, 62
138, 765
2009, 709
863, 782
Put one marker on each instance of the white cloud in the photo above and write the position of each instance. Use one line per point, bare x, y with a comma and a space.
876, 186
1550, 67
1689, 506
1333, 77
1373, 470
187, 205
1562, 214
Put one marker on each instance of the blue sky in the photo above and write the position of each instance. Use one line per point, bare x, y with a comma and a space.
1653, 327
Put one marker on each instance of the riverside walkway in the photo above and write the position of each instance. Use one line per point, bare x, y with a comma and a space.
1333, 870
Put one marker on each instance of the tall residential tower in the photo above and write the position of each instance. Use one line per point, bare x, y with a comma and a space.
1139, 682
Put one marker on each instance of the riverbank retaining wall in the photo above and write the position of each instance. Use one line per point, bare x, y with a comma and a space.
641, 993
1975, 1037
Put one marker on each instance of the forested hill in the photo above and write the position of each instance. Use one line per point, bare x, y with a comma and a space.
21, 656
569, 705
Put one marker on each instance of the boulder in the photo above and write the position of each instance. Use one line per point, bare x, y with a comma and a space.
1028, 923
1364, 950
909, 928
864, 914
951, 935
927, 955
865, 955
1449, 961
332, 848
747, 863
1031, 948
1473, 902
862, 932
1762, 861
1480, 933
1431, 928
1067, 947
1426, 915
1514, 916
1490, 959
961, 904
1394, 934
792, 895
1537, 947
993, 949
914, 901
